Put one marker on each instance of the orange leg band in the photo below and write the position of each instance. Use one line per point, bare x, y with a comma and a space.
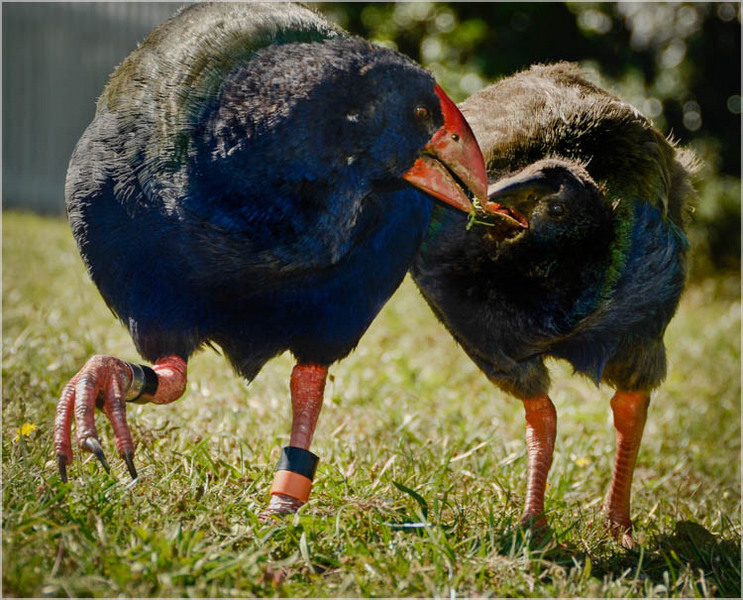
291, 490
291, 484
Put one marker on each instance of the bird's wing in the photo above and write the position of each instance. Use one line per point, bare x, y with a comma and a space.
160, 91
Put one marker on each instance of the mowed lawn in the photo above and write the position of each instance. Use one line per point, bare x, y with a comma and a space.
422, 469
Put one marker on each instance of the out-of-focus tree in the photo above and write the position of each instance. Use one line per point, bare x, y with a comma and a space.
679, 63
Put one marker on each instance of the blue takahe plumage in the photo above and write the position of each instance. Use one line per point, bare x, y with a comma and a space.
254, 178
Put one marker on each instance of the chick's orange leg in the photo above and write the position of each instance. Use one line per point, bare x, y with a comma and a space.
290, 490
104, 381
541, 430
630, 413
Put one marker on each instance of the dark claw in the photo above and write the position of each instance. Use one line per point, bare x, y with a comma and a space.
62, 465
94, 446
129, 459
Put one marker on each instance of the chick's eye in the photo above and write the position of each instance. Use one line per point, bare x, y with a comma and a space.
555, 209
421, 112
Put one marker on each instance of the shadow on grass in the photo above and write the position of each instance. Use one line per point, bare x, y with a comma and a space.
718, 560
691, 560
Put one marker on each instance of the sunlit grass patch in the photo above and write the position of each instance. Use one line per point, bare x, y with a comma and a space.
422, 469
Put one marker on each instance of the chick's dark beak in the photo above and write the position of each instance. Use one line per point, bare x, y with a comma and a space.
451, 164
510, 201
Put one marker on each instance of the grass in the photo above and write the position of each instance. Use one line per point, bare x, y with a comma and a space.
422, 473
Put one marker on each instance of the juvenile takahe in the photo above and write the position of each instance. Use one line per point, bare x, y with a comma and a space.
585, 261
253, 178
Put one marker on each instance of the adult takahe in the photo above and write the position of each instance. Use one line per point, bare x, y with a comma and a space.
585, 262
253, 178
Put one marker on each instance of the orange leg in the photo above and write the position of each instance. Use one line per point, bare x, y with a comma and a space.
630, 413
541, 430
307, 389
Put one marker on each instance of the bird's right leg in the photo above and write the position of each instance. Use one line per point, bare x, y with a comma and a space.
630, 413
541, 430
293, 479
109, 383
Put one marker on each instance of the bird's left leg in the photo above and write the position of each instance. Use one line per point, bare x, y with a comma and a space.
630, 413
296, 469
109, 383
541, 431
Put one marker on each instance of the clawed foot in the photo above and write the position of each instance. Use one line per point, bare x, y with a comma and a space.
621, 530
103, 381
280, 505
537, 524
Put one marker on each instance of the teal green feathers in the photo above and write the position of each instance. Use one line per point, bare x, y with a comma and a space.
212, 40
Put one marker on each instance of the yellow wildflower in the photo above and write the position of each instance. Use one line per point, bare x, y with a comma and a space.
24, 430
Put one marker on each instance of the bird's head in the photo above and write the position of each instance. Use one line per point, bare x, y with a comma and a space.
397, 122
450, 165
551, 206
346, 112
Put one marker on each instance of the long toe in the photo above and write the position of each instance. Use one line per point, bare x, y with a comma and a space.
115, 409
63, 427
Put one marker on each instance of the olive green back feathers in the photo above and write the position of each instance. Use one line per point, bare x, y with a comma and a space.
171, 78
557, 107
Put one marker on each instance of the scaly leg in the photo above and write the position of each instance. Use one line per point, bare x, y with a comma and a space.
291, 487
104, 381
630, 413
541, 430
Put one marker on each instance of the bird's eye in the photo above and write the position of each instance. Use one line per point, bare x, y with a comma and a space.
556, 209
421, 112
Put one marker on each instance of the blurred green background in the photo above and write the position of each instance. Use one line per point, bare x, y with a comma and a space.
678, 63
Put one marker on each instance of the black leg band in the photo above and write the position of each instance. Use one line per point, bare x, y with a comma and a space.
144, 382
298, 460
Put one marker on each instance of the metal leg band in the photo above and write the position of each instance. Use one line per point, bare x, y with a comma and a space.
144, 382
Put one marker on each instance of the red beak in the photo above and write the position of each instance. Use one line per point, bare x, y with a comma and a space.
451, 163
